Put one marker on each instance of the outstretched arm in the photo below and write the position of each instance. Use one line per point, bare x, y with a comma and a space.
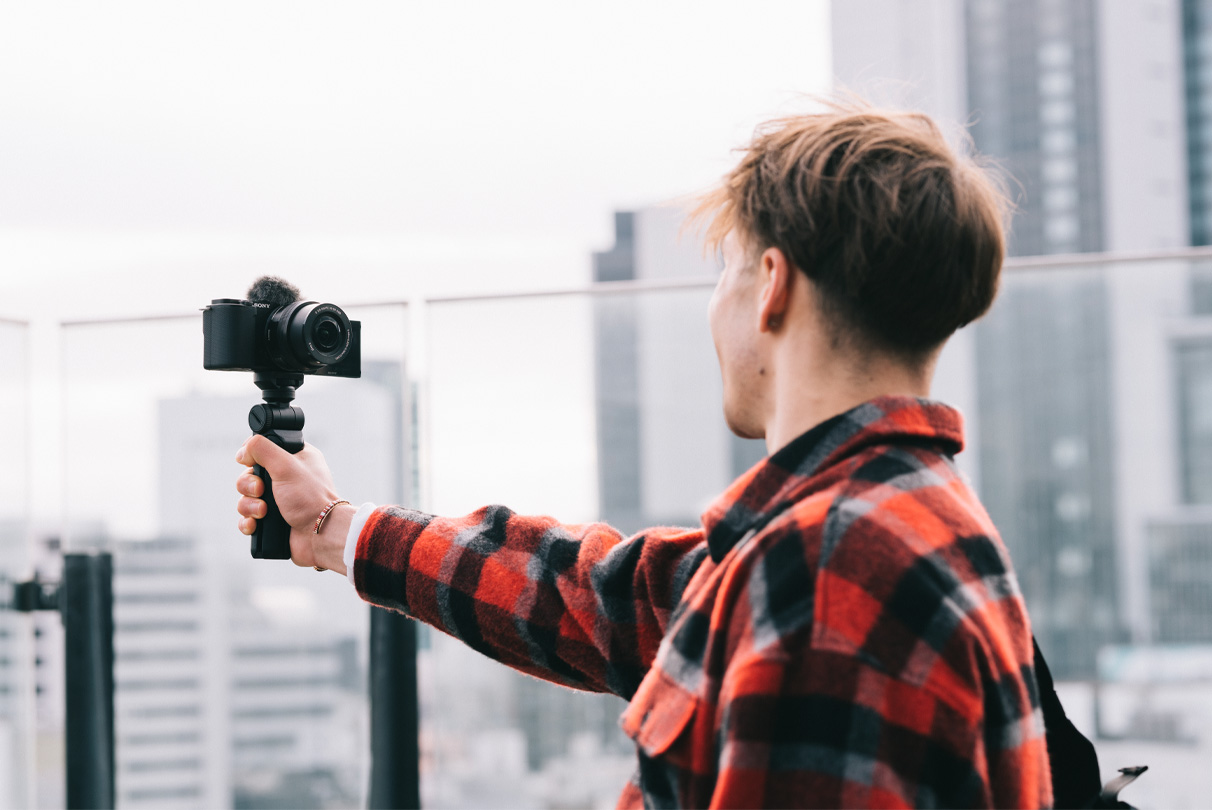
580, 605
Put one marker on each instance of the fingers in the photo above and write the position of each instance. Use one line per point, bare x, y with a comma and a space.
251, 510
260, 450
302, 483
251, 485
251, 507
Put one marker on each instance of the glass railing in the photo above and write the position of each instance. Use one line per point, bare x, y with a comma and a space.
1090, 392
18, 722
1087, 394
602, 405
237, 683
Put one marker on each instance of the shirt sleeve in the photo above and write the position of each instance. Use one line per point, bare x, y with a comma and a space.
580, 605
351, 538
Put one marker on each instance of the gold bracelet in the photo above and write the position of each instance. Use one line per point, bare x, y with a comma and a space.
324, 513
320, 522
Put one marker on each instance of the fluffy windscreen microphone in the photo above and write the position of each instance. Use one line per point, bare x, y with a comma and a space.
273, 291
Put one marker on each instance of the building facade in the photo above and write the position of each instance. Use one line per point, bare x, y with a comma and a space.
1080, 102
1197, 72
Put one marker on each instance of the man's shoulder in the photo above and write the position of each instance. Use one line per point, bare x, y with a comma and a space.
897, 504
894, 503
895, 562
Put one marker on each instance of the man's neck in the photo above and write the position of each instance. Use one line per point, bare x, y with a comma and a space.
804, 400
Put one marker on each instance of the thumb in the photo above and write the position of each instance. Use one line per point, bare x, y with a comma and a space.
260, 450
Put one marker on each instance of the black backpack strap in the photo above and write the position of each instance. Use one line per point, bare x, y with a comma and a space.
1074, 764
1110, 795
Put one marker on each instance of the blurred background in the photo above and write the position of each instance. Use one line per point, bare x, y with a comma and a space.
494, 191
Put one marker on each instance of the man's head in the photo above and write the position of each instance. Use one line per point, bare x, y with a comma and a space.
898, 238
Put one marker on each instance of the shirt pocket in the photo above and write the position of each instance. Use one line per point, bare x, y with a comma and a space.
658, 715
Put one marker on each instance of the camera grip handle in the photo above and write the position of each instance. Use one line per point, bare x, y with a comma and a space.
282, 425
271, 538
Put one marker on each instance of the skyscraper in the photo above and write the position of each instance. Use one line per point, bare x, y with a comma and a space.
1197, 64
1047, 458
1081, 102
161, 665
664, 450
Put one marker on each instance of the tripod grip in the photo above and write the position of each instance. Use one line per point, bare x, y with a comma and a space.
271, 540
282, 424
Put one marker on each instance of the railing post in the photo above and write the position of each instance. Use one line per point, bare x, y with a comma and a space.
87, 605
395, 779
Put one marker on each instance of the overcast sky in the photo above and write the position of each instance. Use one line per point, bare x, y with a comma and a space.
156, 155
463, 144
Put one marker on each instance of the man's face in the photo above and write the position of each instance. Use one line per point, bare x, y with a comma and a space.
734, 318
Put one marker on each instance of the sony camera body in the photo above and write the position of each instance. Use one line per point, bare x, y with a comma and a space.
300, 337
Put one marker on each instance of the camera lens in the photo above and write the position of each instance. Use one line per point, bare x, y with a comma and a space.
328, 333
306, 335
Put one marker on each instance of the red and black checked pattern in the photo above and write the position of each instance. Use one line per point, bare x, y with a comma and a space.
844, 630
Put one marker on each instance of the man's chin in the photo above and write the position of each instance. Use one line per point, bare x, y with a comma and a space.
744, 430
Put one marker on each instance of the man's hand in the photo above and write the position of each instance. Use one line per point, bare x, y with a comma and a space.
303, 486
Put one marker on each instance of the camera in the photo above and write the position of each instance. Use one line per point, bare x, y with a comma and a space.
280, 339
300, 337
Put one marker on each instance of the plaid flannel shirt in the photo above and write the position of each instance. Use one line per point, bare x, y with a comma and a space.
844, 630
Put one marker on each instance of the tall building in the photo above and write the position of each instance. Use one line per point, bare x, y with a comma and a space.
241, 682
1047, 459
906, 53
1180, 573
298, 713
664, 450
1033, 91
1197, 63
161, 668
1080, 101
296, 692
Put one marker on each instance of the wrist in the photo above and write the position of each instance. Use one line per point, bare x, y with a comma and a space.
328, 547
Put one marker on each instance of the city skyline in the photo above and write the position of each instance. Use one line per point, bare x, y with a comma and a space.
1087, 391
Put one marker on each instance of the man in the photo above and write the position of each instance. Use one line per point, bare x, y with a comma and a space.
844, 629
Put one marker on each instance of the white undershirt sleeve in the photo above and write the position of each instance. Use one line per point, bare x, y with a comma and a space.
351, 539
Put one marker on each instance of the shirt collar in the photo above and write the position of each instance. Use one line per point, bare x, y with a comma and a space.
799, 468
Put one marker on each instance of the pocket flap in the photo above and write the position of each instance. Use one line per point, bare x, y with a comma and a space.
659, 713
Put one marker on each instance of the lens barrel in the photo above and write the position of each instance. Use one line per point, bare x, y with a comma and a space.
306, 335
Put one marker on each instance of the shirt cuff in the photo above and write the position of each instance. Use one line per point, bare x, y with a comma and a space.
351, 539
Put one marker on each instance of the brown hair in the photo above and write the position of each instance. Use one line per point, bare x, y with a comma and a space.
902, 236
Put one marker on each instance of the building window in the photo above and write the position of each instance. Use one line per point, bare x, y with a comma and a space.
1194, 361
1060, 230
1060, 199
1180, 570
1059, 171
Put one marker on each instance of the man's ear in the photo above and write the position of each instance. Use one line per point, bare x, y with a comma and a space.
777, 275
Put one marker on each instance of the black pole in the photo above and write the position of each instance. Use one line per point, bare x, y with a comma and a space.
395, 777
87, 604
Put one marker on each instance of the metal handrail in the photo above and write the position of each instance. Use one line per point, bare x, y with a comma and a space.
1012, 264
